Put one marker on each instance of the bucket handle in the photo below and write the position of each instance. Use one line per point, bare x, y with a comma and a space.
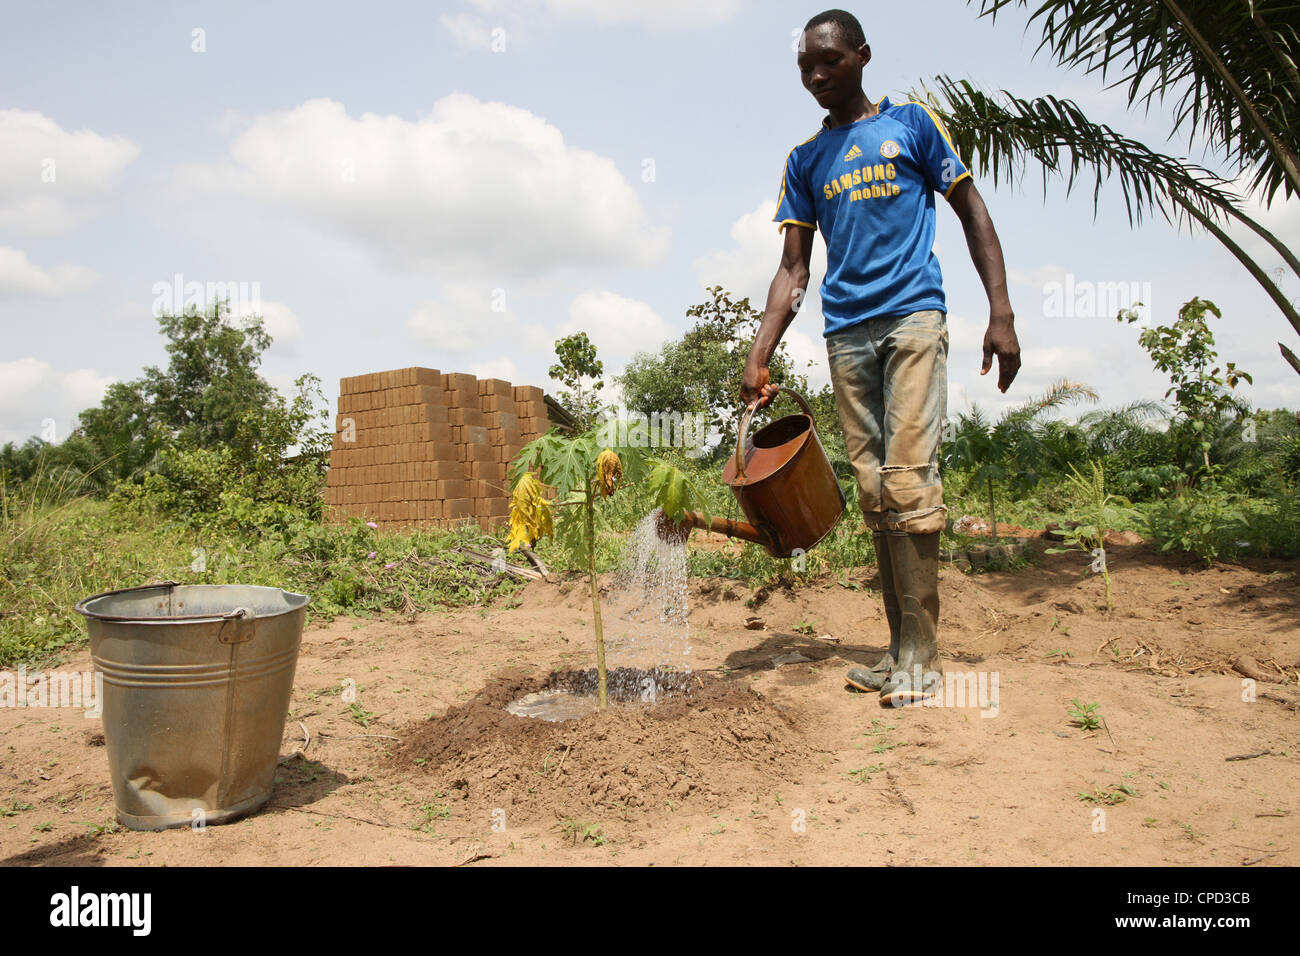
80, 606
743, 433
243, 615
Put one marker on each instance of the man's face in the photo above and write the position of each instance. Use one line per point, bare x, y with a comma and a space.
831, 70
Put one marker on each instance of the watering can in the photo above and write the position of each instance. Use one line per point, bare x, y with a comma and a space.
783, 482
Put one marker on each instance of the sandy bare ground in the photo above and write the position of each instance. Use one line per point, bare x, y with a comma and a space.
781, 765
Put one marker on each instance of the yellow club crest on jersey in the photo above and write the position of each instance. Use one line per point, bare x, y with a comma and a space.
889, 149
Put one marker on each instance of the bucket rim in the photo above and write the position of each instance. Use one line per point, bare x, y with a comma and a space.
81, 607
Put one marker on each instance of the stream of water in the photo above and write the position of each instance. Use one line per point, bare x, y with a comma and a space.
647, 624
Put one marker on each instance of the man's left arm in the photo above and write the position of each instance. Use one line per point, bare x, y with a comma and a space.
986, 253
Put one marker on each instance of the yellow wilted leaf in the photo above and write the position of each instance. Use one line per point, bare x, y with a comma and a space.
530, 513
609, 469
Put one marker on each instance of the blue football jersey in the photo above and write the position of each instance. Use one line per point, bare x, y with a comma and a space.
869, 187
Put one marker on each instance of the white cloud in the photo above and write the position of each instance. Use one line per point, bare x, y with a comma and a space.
34, 395
1036, 278
1282, 219
661, 14
52, 179
619, 327
468, 30
280, 321
746, 270
22, 278
502, 368
471, 186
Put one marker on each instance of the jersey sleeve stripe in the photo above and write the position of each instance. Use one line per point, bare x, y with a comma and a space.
794, 222
965, 175
943, 131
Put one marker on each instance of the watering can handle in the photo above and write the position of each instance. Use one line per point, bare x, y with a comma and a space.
743, 433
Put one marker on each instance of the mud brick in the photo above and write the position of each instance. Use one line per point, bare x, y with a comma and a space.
460, 398
508, 436
476, 434
479, 452
428, 376
458, 381
428, 395
436, 432
528, 393
465, 416
501, 419
506, 453
530, 409
441, 451
349, 384
434, 413
496, 386
447, 469
498, 507
432, 432
458, 508
454, 488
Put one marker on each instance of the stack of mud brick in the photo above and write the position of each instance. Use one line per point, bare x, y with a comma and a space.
417, 447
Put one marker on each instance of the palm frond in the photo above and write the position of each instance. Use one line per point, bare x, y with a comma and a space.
1229, 66
1003, 133
1059, 393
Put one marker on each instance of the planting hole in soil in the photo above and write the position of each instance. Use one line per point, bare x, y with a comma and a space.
572, 694
714, 740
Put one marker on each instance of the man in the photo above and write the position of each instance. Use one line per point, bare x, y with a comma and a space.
868, 179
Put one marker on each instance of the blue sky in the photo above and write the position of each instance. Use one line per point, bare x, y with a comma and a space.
458, 184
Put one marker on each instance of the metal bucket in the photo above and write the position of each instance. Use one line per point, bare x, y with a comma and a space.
196, 689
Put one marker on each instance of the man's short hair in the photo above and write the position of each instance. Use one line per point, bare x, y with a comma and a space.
845, 23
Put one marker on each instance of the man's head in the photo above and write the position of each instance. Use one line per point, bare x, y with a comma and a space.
832, 54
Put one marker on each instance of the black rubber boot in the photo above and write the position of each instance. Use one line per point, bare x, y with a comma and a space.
918, 673
873, 678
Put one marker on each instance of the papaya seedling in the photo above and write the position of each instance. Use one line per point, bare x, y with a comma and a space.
584, 473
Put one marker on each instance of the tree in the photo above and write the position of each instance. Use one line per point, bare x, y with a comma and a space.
702, 371
1228, 65
1202, 395
577, 364
211, 382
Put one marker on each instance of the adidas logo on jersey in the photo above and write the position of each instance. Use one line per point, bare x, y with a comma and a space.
852, 154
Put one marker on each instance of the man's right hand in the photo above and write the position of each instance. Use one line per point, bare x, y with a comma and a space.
756, 386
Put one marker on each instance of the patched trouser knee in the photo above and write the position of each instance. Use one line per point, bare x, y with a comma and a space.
891, 381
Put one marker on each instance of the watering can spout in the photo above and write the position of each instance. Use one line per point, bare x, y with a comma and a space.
677, 531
